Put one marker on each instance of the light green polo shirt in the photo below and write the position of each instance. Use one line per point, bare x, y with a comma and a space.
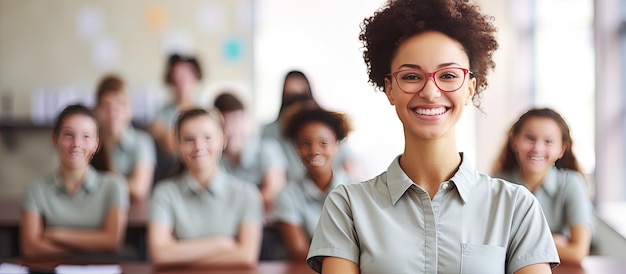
166, 115
86, 209
192, 211
257, 157
473, 224
563, 198
135, 146
300, 203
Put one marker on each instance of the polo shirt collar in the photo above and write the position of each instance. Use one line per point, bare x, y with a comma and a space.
89, 184
312, 191
549, 184
464, 179
217, 184
127, 139
398, 182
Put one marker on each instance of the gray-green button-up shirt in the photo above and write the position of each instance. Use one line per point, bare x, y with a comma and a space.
473, 224
135, 146
563, 198
300, 203
192, 211
257, 156
86, 209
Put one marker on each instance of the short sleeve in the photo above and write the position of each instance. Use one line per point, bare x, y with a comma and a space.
30, 200
578, 207
161, 208
271, 155
285, 209
119, 196
335, 234
531, 240
146, 149
253, 209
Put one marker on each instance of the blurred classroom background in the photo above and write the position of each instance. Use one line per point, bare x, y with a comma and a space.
568, 55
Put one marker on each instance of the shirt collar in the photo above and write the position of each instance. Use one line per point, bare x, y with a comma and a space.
217, 184
89, 184
549, 184
398, 182
312, 191
127, 139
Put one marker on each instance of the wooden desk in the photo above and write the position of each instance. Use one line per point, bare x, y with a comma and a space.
591, 265
274, 267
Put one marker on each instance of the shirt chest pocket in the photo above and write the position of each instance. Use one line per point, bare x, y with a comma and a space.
482, 259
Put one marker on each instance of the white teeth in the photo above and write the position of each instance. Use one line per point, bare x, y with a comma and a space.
430, 111
535, 158
317, 161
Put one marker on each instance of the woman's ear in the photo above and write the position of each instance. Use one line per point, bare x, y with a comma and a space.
389, 91
471, 90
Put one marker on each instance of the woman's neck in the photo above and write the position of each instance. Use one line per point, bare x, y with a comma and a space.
532, 180
203, 176
321, 179
429, 162
72, 178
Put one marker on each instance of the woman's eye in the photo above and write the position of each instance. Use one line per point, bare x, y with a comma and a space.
448, 76
412, 77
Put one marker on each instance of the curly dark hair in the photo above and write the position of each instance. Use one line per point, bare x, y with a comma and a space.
461, 20
336, 121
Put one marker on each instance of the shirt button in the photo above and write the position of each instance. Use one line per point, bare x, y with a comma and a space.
445, 186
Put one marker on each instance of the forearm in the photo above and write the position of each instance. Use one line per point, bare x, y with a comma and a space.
272, 183
42, 248
572, 253
239, 257
190, 251
85, 240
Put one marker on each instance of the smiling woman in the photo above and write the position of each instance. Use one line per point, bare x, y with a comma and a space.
431, 211
204, 216
77, 209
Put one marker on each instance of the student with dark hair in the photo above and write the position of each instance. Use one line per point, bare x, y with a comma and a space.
538, 155
76, 209
130, 151
204, 216
297, 94
249, 157
316, 134
182, 75
431, 211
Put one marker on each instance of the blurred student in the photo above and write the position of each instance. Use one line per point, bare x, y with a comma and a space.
204, 216
296, 94
130, 151
76, 209
316, 134
249, 157
183, 75
538, 154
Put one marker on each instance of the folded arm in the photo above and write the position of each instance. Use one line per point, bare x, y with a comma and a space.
166, 250
32, 242
574, 250
106, 239
295, 239
246, 251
